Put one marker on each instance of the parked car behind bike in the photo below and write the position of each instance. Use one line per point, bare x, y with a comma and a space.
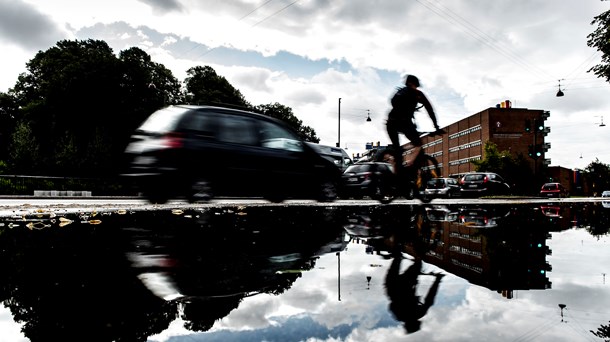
200, 152
443, 187
477, 184
367, 179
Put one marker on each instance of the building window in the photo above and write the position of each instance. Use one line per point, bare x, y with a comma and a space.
464, 160
465, 146
465, 132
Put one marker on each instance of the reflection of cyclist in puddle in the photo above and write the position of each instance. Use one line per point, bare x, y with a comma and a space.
401, 288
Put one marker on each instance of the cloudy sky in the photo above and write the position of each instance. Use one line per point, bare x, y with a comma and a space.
308, 54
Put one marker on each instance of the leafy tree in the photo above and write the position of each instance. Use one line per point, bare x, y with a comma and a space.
8, 106
24, 148
146, 85
285, 114
600, 39
205, 87
82, 103
597, 175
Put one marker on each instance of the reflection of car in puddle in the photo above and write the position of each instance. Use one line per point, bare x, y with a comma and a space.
480, 217
361, 226
551, 211
239, 258
441, 213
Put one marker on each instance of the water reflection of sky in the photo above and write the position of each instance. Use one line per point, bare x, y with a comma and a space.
462, 312
336, 301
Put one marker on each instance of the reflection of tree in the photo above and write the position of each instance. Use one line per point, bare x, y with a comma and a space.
598, 218
603, 332
74, 284
201, 313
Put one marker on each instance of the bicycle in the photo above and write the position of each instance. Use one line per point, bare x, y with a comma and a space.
410, 180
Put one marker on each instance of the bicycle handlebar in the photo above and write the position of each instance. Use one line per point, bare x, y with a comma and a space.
439, 131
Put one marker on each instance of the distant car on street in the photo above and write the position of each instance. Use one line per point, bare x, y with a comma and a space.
335, 154
200, 152
553, 190
606, 194
367, 179
483, 184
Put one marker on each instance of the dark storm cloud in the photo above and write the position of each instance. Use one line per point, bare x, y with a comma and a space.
164, 6
21, 24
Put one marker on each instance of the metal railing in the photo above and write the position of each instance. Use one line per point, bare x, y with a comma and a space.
64, 186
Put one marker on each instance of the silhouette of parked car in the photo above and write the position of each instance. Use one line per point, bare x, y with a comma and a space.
483, 184
367, 179
443, 187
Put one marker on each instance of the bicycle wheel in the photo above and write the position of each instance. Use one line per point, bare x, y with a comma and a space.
428, 169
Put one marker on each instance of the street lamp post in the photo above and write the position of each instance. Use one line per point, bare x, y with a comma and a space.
368, 119
339, 125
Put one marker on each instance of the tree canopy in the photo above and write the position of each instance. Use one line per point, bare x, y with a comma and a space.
600, 39
74, 109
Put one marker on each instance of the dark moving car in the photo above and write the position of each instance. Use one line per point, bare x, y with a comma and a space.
479, 184
553, 190
199, 152
371, 179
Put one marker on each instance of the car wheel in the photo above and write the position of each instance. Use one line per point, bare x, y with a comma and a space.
328, 191
410, 192
275, 197
383, 194
200, 191
156, 192
156, 197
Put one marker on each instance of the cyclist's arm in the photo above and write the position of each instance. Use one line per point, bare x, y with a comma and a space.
421, 98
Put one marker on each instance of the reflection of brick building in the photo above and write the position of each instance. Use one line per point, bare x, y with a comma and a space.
496, 258
511, 129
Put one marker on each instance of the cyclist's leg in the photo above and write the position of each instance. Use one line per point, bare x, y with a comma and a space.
393, 132
428, 168
414, 137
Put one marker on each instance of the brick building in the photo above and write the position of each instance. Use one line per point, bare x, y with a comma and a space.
517, 130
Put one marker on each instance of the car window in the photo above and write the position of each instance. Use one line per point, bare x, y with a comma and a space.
163, 120
237, 130
474, 177
358, 168
275, 136
436, 182
202, 123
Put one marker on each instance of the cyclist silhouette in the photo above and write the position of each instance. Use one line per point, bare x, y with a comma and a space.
401, 118
401, 288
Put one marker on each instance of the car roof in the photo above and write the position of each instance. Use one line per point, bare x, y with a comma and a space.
204, 108
223, 110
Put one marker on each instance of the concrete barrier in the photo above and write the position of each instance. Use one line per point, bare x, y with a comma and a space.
65, 193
